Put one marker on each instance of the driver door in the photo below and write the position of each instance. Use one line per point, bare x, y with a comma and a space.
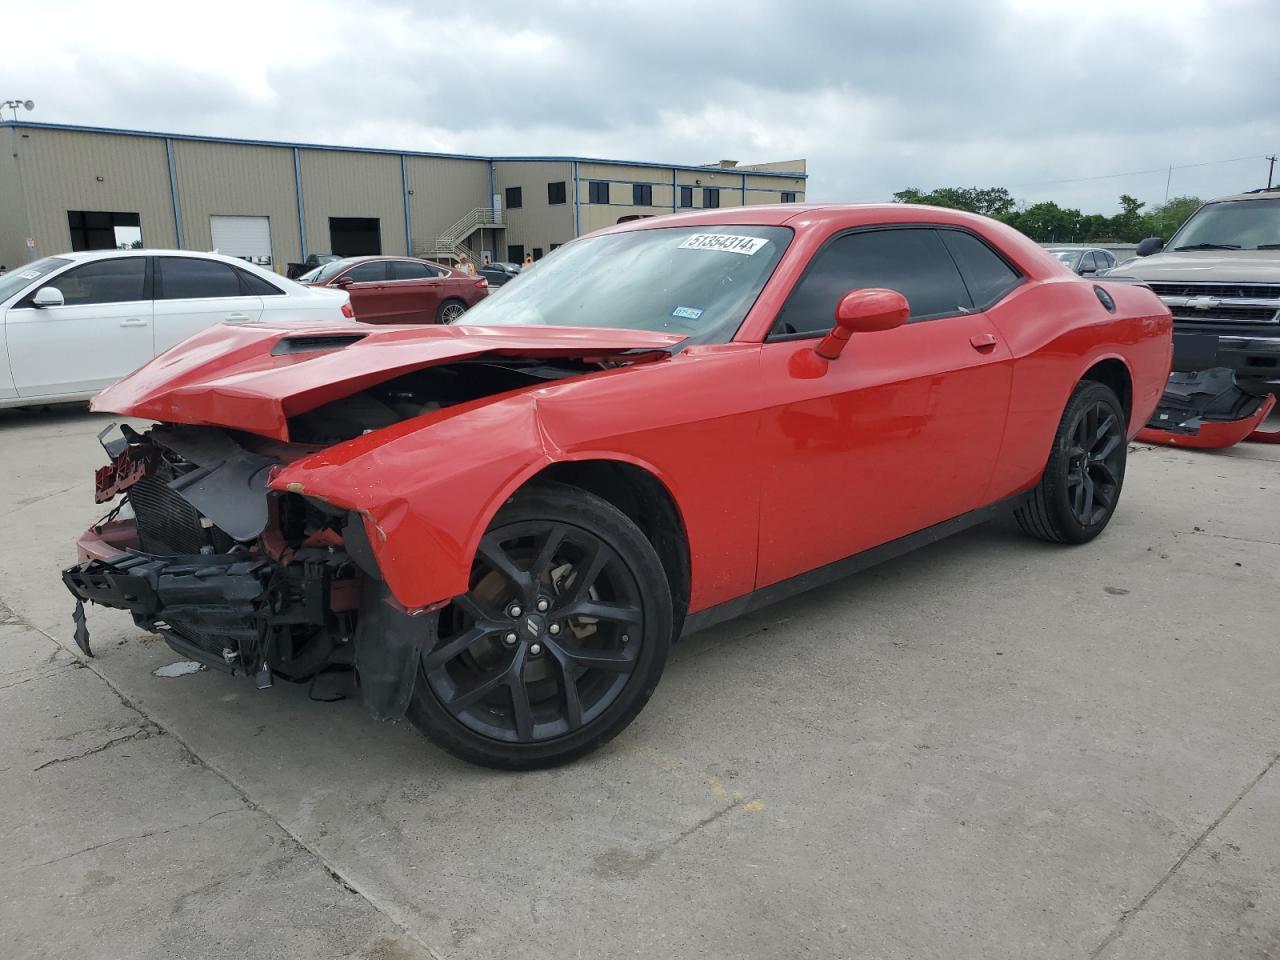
901, 431
102, 331
366, 283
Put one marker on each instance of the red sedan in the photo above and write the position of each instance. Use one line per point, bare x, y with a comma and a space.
401, 289
502, 525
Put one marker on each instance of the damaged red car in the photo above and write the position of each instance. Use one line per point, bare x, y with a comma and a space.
498, 528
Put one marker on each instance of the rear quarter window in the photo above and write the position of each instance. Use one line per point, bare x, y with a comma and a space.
988, 275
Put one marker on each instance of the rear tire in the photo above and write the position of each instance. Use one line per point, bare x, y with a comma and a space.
1080, 488
559, 641
450, 311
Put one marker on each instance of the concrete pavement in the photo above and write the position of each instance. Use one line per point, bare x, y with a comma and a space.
991, 748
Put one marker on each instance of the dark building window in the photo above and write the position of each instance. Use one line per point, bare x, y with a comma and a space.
598, 191
555, 246
555, 192
642, 194
103, 230
515, 253
355, 236
515, 198
537, 253
788, 196
686, 196
710, 197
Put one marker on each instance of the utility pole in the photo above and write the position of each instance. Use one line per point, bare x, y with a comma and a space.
1271, 168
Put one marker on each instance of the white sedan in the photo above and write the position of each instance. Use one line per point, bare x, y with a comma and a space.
78, 322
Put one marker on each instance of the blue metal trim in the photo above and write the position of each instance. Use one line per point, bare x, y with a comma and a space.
577, 202
75, 128
297, 192
404, 186
173, 193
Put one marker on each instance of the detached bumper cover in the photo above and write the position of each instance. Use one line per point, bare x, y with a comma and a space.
1207, 410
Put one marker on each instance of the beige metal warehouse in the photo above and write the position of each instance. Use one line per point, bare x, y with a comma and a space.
81, 188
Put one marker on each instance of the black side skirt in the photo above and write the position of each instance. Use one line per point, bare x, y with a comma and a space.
843, 568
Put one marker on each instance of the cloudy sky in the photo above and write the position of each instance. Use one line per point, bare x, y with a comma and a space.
877, 96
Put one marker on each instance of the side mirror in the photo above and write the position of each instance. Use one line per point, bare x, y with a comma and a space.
863, 311
48, 297
1149, 246
343, 282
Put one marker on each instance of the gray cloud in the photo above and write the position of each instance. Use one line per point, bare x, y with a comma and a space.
876, 97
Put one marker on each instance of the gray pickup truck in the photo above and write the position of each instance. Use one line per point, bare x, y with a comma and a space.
1220, 276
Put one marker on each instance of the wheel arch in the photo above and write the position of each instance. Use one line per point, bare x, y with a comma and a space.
1113, 371
635, 488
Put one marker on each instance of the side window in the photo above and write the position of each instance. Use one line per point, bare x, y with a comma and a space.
253, 285
103, 281
185, 278
1106, 260
912, 261
985, 273
374, 271
404, 270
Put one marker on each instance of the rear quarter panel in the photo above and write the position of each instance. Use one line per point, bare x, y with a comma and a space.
1057, 330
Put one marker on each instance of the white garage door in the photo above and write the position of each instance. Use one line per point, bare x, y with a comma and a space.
246, 237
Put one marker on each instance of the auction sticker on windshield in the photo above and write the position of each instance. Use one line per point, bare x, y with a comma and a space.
729, 243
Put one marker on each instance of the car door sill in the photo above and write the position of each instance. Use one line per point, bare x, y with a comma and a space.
838, 569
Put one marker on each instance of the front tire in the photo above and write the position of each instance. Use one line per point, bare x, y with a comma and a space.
1078, 493
559, 641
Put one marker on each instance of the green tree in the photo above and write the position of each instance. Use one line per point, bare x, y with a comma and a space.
1169, 216
989, 201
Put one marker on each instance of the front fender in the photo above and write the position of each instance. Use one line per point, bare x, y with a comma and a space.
427, 488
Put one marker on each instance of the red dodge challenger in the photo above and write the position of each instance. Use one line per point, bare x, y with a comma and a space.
401, 289
499, 527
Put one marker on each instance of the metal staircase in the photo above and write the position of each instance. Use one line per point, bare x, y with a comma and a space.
454, 243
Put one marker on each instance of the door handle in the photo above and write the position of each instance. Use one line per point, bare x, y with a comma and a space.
237, 318
134, 322
983, 342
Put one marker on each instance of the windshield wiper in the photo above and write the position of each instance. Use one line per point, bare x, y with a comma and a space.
1267, 246
1209, 246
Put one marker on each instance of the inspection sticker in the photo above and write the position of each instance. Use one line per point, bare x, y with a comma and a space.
747, 246
686, 313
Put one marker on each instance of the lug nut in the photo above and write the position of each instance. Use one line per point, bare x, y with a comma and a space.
514, 610
535, 649
509, 639
544, 605
554, 629
625, 638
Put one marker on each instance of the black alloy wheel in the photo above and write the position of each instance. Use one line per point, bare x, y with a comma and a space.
1081, 484
559, 640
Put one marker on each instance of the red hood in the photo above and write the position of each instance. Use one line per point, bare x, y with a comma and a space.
255, 376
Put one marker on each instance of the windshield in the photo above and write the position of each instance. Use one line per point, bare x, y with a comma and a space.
1231, 225
697, 281
321, 274
22, 277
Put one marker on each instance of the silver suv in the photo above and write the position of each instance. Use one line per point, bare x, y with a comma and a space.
1220, 276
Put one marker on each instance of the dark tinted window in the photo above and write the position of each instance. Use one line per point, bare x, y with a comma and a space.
555, 192
913, 261
106, 281
515, 253
1106, 258
515, 198
536, 253
185, 278
253, 284
788, 196
985, 273
642, 194
598, 192
371, 272
710, 196
406, 270
686, 196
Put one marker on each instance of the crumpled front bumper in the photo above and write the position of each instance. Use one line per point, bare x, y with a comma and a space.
185, 599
